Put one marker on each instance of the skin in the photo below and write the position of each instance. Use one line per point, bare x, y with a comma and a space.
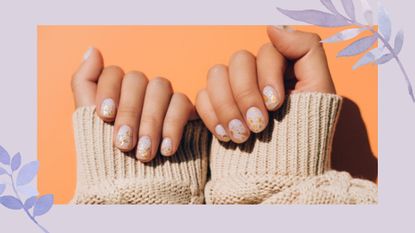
294, 61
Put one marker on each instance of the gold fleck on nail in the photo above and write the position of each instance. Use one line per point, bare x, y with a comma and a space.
220, 131
108, 108
144, 147
124, 137
238, 130
166, 147
255, 119
270, 97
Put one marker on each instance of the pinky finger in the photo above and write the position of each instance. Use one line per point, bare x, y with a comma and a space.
207, 114
178, 113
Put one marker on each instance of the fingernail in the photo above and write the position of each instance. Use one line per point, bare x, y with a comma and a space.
270, 97
124, 137
283, 27
108, 108
144, 147
87, 53
221, 132
166, 147
255, 119
238, 130
280, 27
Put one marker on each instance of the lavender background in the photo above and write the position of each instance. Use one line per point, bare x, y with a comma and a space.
18, 122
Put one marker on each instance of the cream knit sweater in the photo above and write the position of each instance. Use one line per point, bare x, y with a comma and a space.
288, 163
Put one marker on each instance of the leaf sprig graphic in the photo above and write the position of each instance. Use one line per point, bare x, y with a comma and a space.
33, 206
384, 53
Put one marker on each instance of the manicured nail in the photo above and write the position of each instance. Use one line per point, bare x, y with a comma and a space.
88, 53
144, 147
124, 137
221, 132
270, 97
278, 27
166, 147
108, 108
238, 130
283, 27
255, 119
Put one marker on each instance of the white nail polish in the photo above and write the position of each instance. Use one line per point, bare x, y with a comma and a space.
88, 53
278, 27
255, 119
108, 108
221, 132
144, 147
124, 137
270, 97
238, 131
166, 147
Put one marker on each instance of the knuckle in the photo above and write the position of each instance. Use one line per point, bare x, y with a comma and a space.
136, 75
245, 94
128, 112
315, 38
225, 107
241, 55
150, 120
180, 97
115, 69
161, 82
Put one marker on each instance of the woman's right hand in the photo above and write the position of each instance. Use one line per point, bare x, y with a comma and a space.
144, 112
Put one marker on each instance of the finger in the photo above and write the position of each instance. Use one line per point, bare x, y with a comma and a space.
243, 80
84, 80
311, 67
108, 92
270, 69
178, 113
156, 103
222, 100
207, 114
129, 110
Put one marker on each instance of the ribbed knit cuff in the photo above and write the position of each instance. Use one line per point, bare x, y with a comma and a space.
108, 176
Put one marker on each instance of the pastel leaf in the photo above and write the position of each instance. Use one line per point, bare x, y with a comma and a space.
369, 57
368, 13
349, 8
16, 161
2, 188
4, 156
2, 171
11, 202
329, 5
27, 190
343, 35
398, 42
358, 46
30, 202
43, 205
27, 173
385, 26
316, 17
385, 58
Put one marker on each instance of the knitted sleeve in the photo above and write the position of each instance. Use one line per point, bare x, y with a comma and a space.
105, 175
288, 163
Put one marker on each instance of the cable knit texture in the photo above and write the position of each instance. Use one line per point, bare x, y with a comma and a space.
288, 163
109, 176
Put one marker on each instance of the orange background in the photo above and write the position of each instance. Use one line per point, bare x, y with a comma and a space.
182, 54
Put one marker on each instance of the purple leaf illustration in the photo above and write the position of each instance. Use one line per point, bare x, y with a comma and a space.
358, 46
2, 171
383, 59
329, 5
2, 188
27, 190
4, 156
27, 173
16, 161
316, 17
11, 202
384, 22
398, 42
30, 202
344, 35
349, 8
368, 13
43, 205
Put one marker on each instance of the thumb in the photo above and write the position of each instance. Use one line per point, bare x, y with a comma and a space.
310, 63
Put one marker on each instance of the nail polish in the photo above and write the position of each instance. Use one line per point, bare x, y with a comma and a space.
270, 97
238, 130
166, 147
144, 147
221, 132
124, 137
108, 108
88, 53
255, 119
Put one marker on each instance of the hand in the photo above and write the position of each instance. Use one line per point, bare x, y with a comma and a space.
143, 111
239, 96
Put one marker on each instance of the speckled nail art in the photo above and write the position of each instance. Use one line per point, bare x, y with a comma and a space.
87, 53
124, 137
166, 147
221, 132
255, 119
270, 97
238, 130
144, 147
108, 108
